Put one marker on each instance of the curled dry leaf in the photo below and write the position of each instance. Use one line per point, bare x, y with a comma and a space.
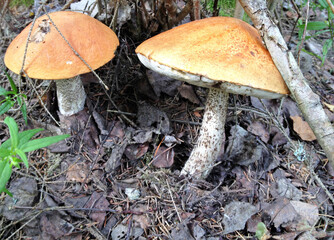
164, 157
329, 106
302, 129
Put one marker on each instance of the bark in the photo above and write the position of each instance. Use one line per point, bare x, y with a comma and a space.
238, 11
211, 136
308, 102
197, 9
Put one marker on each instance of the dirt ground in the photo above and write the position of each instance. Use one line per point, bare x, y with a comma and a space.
117, 177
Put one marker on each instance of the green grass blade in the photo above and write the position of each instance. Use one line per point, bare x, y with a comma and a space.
13, 131
42, 142
24, 137
5, 172
12, 84
23, 157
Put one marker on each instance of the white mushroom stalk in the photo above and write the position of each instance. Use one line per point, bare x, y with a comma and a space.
211, 136
71, 95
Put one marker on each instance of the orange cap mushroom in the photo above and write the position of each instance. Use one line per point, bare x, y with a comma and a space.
50, 57
223, 54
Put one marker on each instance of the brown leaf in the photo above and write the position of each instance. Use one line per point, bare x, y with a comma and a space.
97, 201
281, 211
303, 129
164, 157
162, 84
329, 106
141, 220
308, 212
77, 172
135, 151
187, 92
258, 129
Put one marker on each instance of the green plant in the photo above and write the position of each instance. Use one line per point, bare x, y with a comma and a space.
12, 151
320, 27
12, 97
226, 7
262, 232
27, 3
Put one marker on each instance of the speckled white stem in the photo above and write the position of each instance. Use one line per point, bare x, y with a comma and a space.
205, 153
71, 95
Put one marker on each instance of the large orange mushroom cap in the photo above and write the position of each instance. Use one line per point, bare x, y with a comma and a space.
50, 57
224, 52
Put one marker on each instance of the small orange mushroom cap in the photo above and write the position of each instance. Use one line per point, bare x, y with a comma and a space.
224, 52
50, 57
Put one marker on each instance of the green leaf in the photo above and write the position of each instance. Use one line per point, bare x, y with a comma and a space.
4, 153
13, 131
4, 92
5, 172
8, 192
42, 142
316, 25
2, 165
325, 48
12, 84
323, 4
24, 137
5, 106
23, 109
260, 230
23, 157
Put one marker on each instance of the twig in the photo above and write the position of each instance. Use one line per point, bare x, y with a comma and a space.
67, 5
304, 33
318, 180
23, 225
330, 5
171, 195
114, 17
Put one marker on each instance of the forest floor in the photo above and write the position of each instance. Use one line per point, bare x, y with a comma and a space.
117, 177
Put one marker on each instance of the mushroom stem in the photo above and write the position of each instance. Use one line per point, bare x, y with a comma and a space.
211, 136
71, 95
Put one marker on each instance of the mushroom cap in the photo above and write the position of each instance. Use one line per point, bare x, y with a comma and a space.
50, 57
218, 52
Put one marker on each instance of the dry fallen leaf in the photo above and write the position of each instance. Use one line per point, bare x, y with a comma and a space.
77, 172
258, 129
281, 212
164, 157
329, 106
187, 92
98, 203
303, 129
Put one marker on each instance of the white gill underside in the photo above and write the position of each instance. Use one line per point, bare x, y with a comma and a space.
205, 82
211, 136
71, 95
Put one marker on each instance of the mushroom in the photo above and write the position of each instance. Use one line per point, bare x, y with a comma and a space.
49, 56
223, 54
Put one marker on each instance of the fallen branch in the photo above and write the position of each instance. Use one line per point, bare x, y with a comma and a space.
308, 102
